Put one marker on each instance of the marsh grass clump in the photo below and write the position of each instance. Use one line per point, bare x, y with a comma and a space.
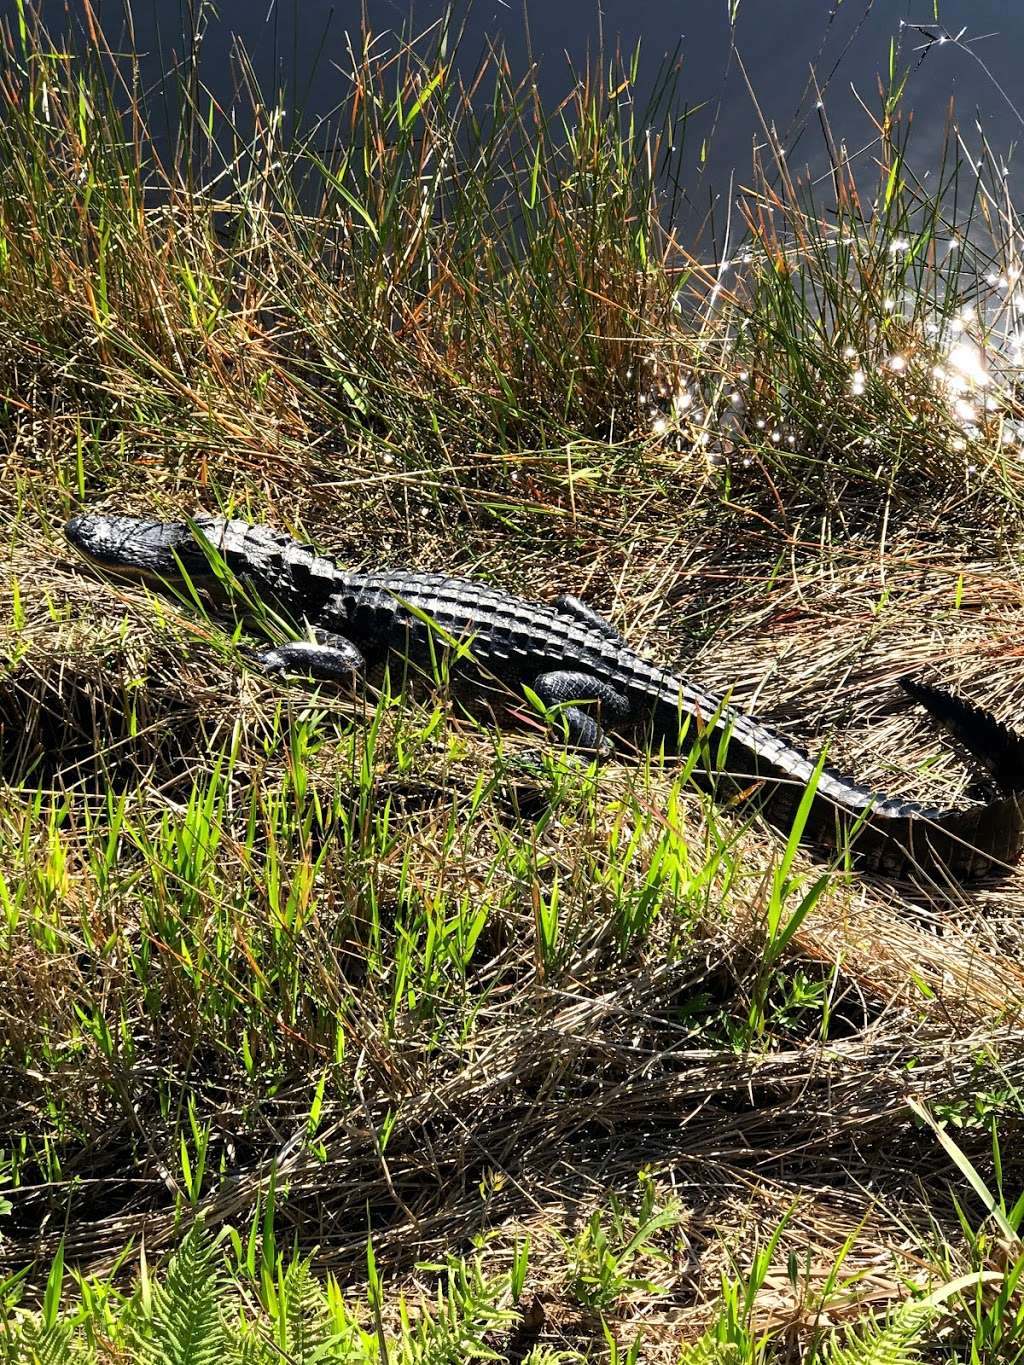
346, 1027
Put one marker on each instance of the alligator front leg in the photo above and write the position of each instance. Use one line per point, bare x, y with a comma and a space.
587, 616
330, 658
585, 729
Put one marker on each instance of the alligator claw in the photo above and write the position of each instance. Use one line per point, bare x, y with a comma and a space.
587, 616
326, 663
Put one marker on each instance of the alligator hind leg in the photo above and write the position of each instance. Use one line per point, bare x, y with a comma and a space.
587, 616
585, 730
331, 658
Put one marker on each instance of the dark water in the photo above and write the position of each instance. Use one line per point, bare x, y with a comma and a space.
300, 47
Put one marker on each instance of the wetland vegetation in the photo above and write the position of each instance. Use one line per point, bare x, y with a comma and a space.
332, 1030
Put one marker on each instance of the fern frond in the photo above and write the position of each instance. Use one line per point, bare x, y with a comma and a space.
466, 1311
304, 1306
35, 1343
707, 1350
247, 1347
544, 1355
184, 1327
894, 1340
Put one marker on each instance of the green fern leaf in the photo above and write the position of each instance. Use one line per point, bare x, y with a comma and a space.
246, 1347
893, 1341
709, 1351
306, 1316
544, 1355
184, 1327
39, 1344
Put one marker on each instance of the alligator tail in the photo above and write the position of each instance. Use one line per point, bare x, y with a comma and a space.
995, 745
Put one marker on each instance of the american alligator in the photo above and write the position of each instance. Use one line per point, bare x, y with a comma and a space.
578, 665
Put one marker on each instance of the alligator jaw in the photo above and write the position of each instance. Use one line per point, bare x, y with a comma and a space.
133, 547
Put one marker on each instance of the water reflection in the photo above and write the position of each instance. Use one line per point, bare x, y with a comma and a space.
750, 83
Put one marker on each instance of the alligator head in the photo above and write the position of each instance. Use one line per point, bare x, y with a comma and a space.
156, 551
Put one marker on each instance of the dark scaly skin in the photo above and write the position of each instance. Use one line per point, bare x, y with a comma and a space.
566, 653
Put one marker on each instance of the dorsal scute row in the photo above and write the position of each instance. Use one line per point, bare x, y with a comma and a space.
273, 559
